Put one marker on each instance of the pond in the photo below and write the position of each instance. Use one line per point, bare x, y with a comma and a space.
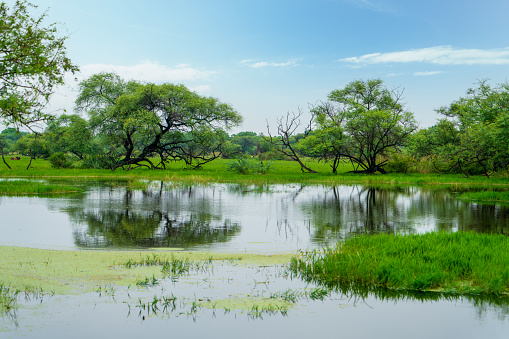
243, 219
235, 218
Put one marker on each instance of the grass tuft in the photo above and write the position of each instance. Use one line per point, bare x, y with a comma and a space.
462, 262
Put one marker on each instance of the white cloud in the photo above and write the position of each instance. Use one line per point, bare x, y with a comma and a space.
427, 73
261, 64
201, 89
149, 71
441, 55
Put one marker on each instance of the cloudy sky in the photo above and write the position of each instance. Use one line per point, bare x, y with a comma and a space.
270, 57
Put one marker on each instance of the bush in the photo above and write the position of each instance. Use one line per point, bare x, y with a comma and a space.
247, 166
59, 160
400, 163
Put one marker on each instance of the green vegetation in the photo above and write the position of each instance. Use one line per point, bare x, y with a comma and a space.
33, 62
363, 123
488, 196
281, 172
22, 187
461, 262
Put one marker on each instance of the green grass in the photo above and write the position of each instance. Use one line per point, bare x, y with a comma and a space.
24, 187
280, 172
487, 196
462, 262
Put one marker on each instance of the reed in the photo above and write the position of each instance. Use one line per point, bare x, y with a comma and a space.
26, 187
462, 262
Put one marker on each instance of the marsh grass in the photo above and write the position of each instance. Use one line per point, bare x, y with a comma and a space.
26, 187
280, 172
486, 196
8, 299
173, 267
462, 262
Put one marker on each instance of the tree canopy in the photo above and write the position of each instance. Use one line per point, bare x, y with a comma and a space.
136, 122
473, 136
33, 61
363, 123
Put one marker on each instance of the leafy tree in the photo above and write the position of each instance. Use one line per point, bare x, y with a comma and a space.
11, 134
138, 121
247, 141
363, 123
70, 133
33, 61
34, 145
476, 138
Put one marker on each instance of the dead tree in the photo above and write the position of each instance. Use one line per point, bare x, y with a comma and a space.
285, 130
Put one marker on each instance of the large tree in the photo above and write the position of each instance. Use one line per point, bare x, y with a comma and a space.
33, 61
138, 122
474, 135
363, 123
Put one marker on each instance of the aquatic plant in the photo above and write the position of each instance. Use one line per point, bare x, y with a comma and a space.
462, 262
8, 299
26, 187
147, 281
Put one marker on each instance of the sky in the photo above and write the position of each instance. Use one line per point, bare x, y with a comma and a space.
268, 58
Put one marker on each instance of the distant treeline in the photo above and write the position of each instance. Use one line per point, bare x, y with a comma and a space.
131, 124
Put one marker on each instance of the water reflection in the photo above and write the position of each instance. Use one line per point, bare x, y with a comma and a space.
125, 218
345, 211
232, 217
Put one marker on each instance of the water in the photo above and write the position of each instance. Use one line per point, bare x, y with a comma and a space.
235, 218
239, 218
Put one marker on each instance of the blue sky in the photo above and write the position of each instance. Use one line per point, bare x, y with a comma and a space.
267, 58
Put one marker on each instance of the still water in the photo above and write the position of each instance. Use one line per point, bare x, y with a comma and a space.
236, 218
239, 218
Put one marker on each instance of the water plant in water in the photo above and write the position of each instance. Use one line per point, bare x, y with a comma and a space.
26, 187
462, 262
7, 299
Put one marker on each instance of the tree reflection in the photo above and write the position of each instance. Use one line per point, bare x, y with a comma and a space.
346, 211
145, 219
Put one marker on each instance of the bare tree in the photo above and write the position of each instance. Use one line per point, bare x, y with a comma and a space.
286, 130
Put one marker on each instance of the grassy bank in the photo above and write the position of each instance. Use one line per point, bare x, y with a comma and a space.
461, 262
281, 172
23, 187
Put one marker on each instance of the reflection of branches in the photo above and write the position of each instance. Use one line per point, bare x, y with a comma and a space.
286, 130
128, 229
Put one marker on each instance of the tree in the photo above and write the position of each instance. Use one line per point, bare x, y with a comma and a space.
283, 142
138, 121
70, 133
33, 61
362, 123
476, 139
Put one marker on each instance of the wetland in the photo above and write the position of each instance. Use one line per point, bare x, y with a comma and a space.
143, 257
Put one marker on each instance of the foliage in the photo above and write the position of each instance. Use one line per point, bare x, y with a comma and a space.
474, 137
400, 163
33, 62
462, 262
136, 121
59, 160
246, 166
364, 123
32, 144
70, 133
24, 187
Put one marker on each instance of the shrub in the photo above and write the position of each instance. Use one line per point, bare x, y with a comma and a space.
247, 166
59, 160
400, 163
